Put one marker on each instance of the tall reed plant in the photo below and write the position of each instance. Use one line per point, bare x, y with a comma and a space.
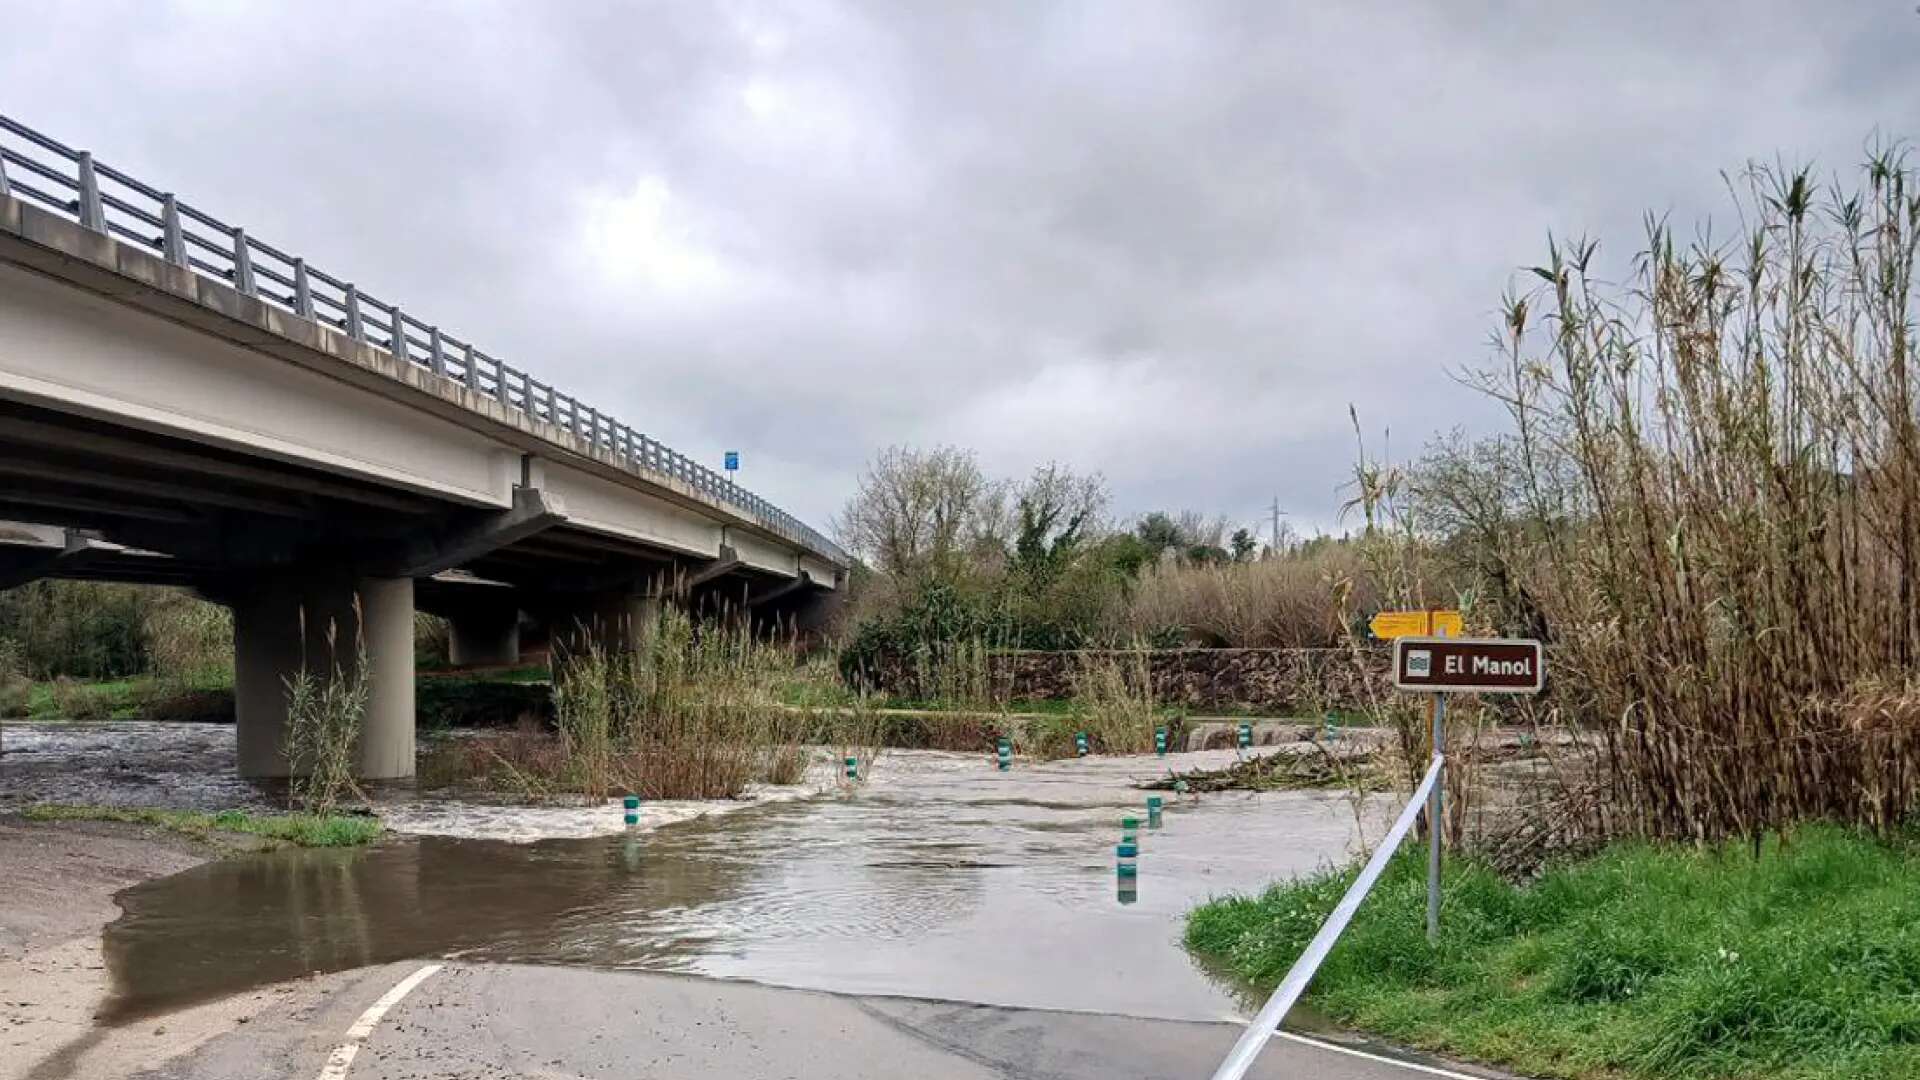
688, 711
1721, 465
1114, 701
325, 713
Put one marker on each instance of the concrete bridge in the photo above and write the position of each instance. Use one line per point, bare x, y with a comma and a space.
182, 403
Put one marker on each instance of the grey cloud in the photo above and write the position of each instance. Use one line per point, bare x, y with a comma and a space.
1170, 242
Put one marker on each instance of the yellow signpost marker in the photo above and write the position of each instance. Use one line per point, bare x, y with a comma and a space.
1389, 625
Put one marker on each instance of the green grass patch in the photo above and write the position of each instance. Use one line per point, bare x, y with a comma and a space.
1643, 961
106, 699
524, 674
300, 830
138, 697
807, 692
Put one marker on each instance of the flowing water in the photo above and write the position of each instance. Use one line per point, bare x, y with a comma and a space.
940, 877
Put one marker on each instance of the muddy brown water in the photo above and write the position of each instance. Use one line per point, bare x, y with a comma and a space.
940, 878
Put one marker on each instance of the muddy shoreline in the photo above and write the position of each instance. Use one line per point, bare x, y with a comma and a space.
61, 880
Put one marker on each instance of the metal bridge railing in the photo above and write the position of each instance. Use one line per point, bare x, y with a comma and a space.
70, 182
1267, 1023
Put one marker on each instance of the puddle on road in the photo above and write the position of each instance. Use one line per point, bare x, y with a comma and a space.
941, 878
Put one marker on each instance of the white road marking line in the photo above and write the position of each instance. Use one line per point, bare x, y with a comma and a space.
343, 1055
1430, 1070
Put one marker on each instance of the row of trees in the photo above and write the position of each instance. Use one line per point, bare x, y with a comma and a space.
954, 555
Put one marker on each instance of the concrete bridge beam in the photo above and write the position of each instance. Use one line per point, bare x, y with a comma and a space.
288, 621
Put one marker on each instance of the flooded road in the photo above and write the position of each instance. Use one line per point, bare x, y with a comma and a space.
941, 877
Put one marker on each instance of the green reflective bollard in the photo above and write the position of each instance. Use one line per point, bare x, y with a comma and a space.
632, 806
1006, 754
1130, 830
1333, 728
1127, 860
1154, 805
1080, 743
1160, 741
1246, 736
853, 768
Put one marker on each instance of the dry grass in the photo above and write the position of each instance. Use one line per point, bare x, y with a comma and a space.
1283, 603
189, 642
78, 701
1114, 703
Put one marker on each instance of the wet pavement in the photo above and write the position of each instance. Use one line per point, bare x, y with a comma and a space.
939, 878
511, 1021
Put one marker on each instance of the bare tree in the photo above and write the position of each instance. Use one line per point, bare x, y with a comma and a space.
917, 511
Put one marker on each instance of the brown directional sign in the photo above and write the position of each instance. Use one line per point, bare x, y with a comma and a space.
1468, 665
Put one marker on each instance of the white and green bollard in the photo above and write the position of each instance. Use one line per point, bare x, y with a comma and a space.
853, 768
1127, 862
1333, 728
1246, 735
632, 806
1160, 741
1006, 754
1154, 806
1130, 830
1080, 743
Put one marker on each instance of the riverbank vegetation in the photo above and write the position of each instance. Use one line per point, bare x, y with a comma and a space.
959, 564
300, 830
89, 651
1797, 958
1707, 502
691, 712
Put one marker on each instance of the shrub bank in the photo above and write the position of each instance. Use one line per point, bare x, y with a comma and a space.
476, 702
1278, 681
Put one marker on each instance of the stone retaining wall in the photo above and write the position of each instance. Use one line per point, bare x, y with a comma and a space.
1280, 681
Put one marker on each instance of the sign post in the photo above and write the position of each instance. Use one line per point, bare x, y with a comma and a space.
1436, 808
732, 462
1453, 665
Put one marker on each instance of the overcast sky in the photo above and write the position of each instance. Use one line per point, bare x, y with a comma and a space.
1167, 242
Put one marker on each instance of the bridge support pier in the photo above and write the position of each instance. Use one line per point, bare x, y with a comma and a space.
281, 624
617, 620
484, 637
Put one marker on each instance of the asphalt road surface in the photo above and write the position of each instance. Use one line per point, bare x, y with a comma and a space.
498, 1021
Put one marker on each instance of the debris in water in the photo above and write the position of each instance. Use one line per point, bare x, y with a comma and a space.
1317, 767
